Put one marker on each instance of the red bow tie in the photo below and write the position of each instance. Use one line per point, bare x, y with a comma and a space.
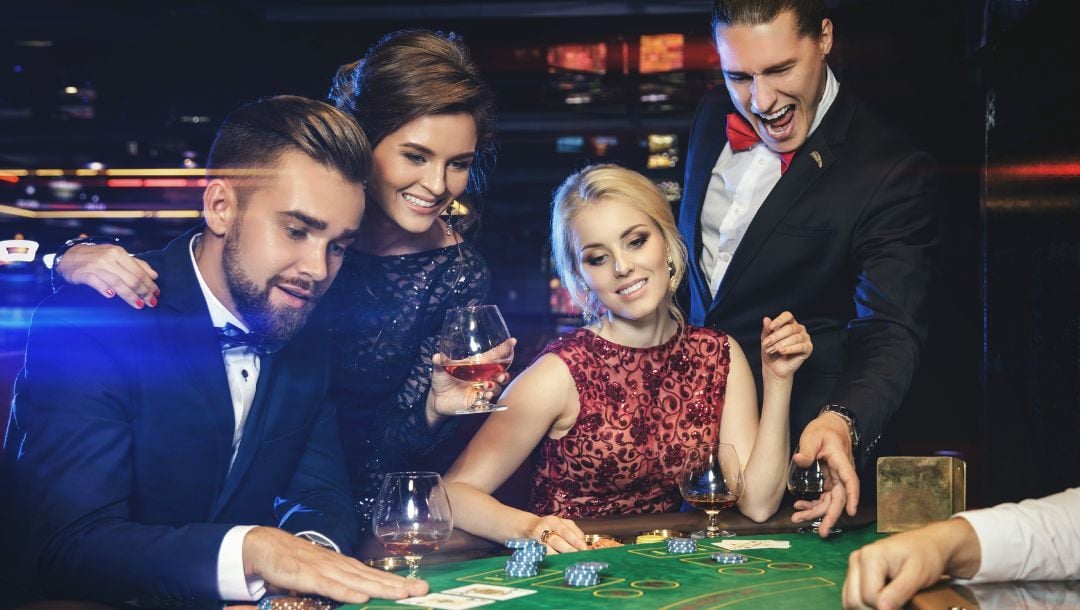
741, 136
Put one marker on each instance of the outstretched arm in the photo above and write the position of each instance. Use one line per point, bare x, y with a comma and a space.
111, 271
887, 573
74, 479
1033, 540
893, 249
541, 399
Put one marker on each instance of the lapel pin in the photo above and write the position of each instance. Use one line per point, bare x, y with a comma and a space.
816, 156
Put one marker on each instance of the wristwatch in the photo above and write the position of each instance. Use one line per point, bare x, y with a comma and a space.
319, 540
847, 415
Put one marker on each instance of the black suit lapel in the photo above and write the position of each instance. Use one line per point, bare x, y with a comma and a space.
803, 172
191, 333
706, 152
252, 434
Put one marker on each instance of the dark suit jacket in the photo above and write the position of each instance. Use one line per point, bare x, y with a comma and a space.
117, 457
847, 247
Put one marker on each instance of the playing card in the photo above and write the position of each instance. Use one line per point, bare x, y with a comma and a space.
494, 592
445, 602
745, 545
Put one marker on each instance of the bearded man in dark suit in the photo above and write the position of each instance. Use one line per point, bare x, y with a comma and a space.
175, 456
798, 198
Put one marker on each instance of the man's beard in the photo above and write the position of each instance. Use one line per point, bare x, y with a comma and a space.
275, 325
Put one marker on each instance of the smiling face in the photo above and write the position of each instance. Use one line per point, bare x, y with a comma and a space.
622, 257
284, 246
421, 168
775, 76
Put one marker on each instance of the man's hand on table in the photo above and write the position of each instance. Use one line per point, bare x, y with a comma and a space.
887, 573
827, 438
291, 564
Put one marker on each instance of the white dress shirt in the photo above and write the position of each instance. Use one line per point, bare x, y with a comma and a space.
1032, 540
739, 184
242, 370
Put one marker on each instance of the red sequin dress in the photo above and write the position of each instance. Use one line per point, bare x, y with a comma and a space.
640, 409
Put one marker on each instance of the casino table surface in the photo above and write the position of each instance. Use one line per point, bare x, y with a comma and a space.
809, 575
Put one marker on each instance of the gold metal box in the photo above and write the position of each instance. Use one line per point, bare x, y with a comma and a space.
914, 491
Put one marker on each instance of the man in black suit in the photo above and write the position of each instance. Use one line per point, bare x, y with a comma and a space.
175, 456
797, 198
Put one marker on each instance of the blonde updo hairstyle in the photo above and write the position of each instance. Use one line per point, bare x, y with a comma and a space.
588, 187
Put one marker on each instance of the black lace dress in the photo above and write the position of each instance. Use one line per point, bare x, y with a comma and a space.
384, 314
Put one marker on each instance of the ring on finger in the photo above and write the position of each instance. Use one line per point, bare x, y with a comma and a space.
545, 535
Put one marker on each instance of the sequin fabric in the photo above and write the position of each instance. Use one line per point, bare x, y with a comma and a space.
384, 314
640, 409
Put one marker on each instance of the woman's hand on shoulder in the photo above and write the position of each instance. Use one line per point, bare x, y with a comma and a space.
558, 535
785, 345
111, 271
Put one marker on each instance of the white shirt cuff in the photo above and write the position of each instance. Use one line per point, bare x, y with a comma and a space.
999, 539
233, 585
1033, 540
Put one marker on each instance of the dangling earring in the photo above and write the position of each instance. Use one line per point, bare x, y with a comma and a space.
450, 219
673, 283
587, 313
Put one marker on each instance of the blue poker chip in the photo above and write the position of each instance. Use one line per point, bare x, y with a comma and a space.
592, 566
582, 579
528, 555
522, 570
729, 558
671, 541
682, 547
512, 563
523, 543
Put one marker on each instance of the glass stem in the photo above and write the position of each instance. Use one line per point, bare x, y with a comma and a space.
481, 402
413, 562
713, 524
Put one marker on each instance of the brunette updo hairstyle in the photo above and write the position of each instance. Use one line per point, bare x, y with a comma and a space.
409, 74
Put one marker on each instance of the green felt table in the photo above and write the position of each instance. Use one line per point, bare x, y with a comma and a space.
809, 575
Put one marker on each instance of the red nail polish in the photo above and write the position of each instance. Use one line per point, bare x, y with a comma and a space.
109, 292
153, 301
139, 303
157, 292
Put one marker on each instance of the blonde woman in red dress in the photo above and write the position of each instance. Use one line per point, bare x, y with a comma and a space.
613, 407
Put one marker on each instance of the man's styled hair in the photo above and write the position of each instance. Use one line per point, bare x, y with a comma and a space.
256, 135
808, 13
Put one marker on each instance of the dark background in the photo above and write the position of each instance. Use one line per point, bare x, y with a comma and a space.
989, 87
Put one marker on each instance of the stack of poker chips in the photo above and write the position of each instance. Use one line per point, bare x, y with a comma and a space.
729, 558
525, 562
295, 602
681, 545
584, 573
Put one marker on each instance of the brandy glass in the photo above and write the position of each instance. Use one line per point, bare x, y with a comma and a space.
712, 481
412, 516
808, 484
477, 348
